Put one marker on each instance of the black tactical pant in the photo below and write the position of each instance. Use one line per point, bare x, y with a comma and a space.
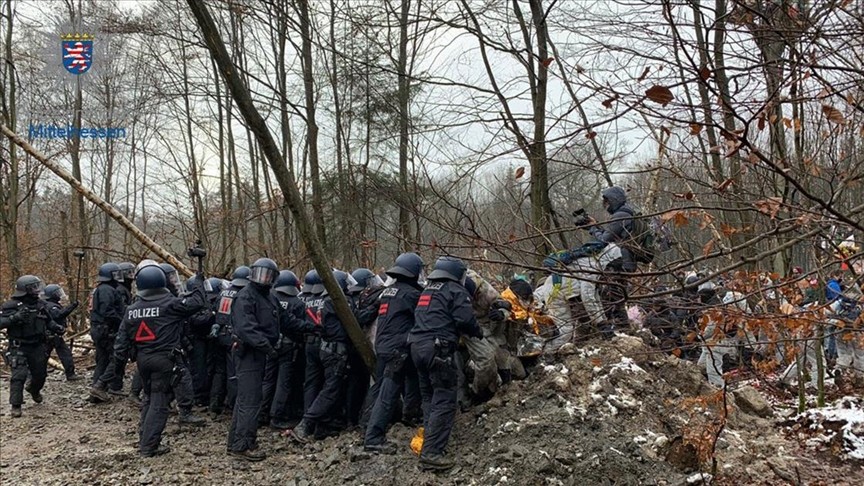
183, 391
357, 387
249, 366
436, 368
279, 379
392, 384
334, 359
314, 373
156, 373
198, 368
137, 384
223, 386
64, 354
103, 341
411, 401
24, 359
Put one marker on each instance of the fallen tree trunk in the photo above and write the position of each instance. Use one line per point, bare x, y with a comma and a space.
99, 202
242, 97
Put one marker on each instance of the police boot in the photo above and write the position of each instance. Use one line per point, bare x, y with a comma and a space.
435, 462
37, 397
98, 394
187, 417
158, 452
16, 411
385, 447
74, 377
279, 424
304, 432
251, 455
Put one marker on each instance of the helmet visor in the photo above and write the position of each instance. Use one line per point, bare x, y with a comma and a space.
117, 275
421, 279
129, 274
34, 288
263, 275
374, 282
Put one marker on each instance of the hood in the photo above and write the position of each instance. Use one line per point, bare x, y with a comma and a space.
616, 197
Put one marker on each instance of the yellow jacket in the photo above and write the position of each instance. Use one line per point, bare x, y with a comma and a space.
521, 313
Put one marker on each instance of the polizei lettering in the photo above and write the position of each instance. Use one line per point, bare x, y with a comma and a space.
142, 313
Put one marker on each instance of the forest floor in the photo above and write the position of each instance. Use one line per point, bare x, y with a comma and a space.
608, 413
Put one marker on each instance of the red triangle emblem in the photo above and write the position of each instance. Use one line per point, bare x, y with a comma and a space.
144, 333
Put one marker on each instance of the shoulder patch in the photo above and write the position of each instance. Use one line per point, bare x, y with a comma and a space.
225, 305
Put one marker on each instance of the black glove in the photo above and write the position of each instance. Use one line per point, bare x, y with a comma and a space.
74, 305
271, 352
502, 304
24, 316
497, 315
56, 328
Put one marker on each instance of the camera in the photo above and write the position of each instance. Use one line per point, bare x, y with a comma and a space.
196, 251
580, 218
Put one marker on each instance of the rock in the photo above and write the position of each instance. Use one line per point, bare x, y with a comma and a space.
660, 442
749, 400
700, 478
628, 345
561, 383
567, 349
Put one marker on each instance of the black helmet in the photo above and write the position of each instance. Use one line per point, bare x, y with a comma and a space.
127, 269
109, 272
264, 272
408, 265
27, 285
344, 279
365, 279
240, 277
171, 276
54, 293
312, 283
217, 284
150, 281
449, 268
287, 283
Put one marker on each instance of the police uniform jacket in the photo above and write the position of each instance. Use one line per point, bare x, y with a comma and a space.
125, 294
396, 305
106, 307
293, 322
154, 323
255, 317
224, 306
314, 308
27, 321
444, 312
59, 313
331, 327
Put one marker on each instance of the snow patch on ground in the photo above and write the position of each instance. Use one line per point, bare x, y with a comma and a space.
849, 412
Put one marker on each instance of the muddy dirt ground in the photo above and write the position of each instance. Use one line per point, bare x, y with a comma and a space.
608, 413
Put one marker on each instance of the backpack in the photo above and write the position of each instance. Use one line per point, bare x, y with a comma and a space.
647, 236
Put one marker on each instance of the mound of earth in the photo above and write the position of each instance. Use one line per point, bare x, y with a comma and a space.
615, 412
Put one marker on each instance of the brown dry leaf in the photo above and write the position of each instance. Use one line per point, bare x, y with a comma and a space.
590, 135
660, 94
833, 114
644, 74
669, 215
797, 124
705, 73
706, 250
520, 172
680, 219
685, 195
760, 123
608, 101
728, 230
773, 119
695, 129
707, 219
787, 122
770, 206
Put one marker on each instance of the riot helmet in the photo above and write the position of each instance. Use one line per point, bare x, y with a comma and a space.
240, 277
27, 285
408, 265
54, 293
127, 270
449, 268
109, 272
151, 281
263, 272
366, 279
312, 283
287, 283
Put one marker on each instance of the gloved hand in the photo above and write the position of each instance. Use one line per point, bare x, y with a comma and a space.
497, 315
214, 331
559, 257
502, 304
271, 352
56, 328
74, 305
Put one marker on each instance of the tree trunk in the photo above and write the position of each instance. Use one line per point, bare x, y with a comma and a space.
403, 95
286, 181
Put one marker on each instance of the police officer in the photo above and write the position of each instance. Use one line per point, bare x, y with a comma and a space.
313, 380
281, 374
443, 313
173, 278
153, 325
334, 359
127, 271
53, 295
106, 311
26, 319
255, 317
199, 328
223, 388
395, 320
363, 296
